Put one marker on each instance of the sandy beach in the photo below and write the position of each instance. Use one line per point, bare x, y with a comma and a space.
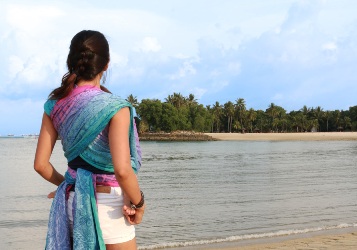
345, 239
312, 136
326, 242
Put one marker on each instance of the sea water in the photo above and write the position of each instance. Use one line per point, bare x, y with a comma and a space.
202, 192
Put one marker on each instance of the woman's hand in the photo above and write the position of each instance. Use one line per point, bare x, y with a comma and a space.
51, 195
133, 216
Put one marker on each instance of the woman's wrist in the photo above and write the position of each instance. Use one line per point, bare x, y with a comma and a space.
140, 204
141, 209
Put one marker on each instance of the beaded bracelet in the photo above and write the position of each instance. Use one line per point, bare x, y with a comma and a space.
140, 204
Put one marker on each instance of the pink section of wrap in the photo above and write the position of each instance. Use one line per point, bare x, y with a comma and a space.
99, 179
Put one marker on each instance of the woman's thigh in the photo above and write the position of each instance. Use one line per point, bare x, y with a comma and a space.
129, 245
114, 226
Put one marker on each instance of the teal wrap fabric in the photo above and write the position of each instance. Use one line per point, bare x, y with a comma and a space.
80, 120
86, 229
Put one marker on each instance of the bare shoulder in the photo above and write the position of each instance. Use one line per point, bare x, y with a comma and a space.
122, 114
120, 121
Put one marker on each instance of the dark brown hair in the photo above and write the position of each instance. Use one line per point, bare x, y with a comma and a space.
88, 56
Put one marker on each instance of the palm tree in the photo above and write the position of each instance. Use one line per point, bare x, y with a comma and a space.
327, 116
229, 112
240, 110
217, 111
237, 126
318, 114
262, 121
336, 118
210, 111
347, 122
191, 99
176, 99
305, 110
133, 100
306, 114
251, 116
294, 123
301, 121
281, 121
272, 111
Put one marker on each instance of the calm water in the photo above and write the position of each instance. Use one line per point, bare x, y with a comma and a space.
202, 192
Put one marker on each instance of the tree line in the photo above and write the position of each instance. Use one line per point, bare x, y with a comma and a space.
178, 112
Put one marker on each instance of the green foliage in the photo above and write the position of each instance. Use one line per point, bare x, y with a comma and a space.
185, 113
150, 112
353, 113
169, 118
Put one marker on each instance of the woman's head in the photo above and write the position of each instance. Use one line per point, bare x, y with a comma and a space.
88, 56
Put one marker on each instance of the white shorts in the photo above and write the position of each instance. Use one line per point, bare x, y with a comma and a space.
115, 228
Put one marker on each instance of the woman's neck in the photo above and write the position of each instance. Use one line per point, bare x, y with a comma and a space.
95, 82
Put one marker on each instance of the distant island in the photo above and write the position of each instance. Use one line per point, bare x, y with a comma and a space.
180, 113
198, 136
176, 136
302, 136
32, 136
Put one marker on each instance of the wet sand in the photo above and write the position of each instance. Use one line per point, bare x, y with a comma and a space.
310, 136
340, 239
325, 242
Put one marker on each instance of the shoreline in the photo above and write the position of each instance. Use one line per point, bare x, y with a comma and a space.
198, 136
307, 136
337, 239
176, 136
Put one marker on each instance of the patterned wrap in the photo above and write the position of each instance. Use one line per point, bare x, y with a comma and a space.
81, 120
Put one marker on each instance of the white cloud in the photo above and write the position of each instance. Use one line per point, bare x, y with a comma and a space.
34, 71
16, 65
234, 68
149, 44
185, 70
329, 46
181, 56
32, 19
33, 50
215, 73
219, 85
330, 51
118, 60
135, 72
198, 92
302, 15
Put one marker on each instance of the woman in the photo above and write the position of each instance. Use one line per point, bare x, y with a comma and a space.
100, 142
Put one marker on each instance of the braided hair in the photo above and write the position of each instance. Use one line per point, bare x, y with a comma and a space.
88, 56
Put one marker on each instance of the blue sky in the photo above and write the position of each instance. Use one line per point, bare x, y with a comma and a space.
288, 52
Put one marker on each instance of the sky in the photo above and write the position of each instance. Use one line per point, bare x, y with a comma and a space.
287, 52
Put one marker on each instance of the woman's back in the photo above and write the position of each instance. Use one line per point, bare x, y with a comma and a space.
97, 129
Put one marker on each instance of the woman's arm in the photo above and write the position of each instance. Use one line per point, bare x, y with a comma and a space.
120, 150
45, 144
